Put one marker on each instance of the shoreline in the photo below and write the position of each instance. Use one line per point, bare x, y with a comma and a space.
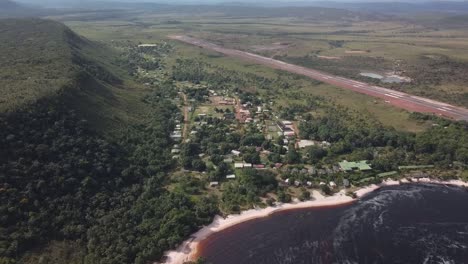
188, 250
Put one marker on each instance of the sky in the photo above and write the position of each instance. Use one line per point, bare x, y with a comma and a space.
226, 1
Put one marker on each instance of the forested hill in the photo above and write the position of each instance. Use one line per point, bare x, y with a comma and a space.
69, 193
36, 60
45, 60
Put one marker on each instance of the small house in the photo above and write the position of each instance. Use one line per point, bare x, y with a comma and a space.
175, 151
228, 160
305, 143
238, 165
278, 165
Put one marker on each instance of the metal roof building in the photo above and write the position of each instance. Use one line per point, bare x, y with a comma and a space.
354, 165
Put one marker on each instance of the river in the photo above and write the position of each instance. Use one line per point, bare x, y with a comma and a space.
410, 223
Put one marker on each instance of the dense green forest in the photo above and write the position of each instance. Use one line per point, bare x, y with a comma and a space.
62, 180
442, 144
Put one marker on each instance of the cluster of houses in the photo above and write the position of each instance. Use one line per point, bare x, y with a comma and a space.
249, 113
227, 101
175, 151
344, 166
313, 171
286, 129
244, 115
331, 184
176, 135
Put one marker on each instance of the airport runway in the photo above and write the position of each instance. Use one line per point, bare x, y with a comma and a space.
398, 99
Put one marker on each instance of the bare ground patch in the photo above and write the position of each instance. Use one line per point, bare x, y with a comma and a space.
356, 51
273, 46
328, 57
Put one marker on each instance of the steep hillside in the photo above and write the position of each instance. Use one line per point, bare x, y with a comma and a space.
36, 61
45, 60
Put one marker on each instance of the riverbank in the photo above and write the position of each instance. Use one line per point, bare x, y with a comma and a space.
187, 251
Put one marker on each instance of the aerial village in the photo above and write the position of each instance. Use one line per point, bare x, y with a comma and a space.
268, 142
223, 134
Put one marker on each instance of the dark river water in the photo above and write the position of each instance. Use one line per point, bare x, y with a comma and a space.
399, 224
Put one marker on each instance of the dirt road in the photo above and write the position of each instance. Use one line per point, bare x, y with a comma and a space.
186, 117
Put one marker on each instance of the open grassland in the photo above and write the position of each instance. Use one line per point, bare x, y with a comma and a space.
435, 59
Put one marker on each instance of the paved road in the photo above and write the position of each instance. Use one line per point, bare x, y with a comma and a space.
398, 99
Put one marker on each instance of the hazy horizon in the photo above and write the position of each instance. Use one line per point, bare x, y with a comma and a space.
268, 3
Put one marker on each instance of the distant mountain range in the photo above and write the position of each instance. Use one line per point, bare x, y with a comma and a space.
10, 8
399, 7
7, 5
321, 10
372, 5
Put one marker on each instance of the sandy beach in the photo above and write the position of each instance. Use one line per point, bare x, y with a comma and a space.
187, 251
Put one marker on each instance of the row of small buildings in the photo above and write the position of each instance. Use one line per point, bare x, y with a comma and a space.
286, 129
344, 166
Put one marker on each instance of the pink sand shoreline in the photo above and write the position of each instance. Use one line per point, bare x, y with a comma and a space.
187, 251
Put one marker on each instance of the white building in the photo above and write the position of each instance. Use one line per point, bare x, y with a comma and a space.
305, 143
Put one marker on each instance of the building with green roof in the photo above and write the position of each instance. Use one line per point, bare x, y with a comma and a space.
354, 165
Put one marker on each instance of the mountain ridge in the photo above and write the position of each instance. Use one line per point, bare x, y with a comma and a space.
45, 60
